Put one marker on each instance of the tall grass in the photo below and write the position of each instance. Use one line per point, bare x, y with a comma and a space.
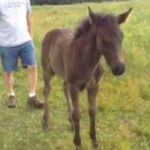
123, 106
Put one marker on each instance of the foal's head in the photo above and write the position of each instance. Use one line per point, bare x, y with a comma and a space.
109, 38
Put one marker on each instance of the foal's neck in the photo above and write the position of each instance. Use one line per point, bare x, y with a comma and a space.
90, 53
83, 58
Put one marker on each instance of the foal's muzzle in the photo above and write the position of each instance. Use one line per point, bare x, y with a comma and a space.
118, 69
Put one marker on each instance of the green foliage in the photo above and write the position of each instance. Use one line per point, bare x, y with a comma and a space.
123, 103
56, 2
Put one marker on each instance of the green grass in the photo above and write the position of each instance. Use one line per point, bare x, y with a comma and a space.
123, 114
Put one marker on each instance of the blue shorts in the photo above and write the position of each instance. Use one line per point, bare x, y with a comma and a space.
10, 56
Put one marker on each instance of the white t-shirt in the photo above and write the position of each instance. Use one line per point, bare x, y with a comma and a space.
13, 22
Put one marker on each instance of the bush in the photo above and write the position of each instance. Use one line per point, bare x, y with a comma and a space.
56, 2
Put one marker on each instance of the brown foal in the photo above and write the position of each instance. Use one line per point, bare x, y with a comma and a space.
74, 56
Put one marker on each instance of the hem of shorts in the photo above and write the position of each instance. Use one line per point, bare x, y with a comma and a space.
14, 70
24, 66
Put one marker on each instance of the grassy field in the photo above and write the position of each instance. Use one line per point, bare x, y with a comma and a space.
123, 106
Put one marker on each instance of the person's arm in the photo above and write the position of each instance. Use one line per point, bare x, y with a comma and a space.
29, 23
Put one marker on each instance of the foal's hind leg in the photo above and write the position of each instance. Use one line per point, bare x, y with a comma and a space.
69, 106
47, 75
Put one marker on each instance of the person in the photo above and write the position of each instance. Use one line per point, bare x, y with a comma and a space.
16, 42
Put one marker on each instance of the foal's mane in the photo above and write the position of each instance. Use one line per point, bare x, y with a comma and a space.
101, 20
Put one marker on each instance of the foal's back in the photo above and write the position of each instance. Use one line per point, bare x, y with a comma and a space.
55, 46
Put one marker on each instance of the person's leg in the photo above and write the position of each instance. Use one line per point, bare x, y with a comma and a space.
32, 80
29, 60
9, 56
9, 80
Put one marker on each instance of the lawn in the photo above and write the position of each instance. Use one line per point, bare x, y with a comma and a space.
123, 103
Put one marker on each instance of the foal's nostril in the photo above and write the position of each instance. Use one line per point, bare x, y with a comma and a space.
118, 70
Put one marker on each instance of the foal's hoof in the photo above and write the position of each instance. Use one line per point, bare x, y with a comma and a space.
95, 144
96, 148
78, 148
45, 126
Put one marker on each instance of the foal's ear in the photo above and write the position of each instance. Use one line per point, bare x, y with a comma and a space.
122, 18
91, 15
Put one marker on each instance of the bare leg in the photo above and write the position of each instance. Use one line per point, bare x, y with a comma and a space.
9, 80
76, 115
47, 77
67, 95
32, 78
92, 92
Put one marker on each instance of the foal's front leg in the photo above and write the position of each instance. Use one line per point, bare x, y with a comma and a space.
74, 90
69, 106
92, 92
